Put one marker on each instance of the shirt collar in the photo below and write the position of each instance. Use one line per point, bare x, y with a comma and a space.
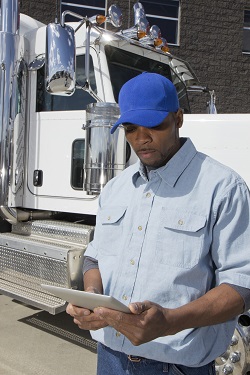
170, 172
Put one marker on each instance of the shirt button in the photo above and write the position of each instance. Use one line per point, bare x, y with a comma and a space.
109, 218
124, 297
132, 261
180, 222
140, 227
118, 334
148, 195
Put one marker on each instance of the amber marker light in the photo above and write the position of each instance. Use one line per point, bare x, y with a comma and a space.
165, 49
157, 42
141, 34
100, 19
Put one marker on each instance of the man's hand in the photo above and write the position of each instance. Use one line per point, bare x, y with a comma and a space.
85, 319
146, 322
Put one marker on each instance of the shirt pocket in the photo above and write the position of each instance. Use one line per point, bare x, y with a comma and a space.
180, 238
112, 229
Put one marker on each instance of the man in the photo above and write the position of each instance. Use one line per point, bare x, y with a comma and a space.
171, 242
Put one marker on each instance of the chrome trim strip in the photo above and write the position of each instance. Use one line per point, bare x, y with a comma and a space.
8, 53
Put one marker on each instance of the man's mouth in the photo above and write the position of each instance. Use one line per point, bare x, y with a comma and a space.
145, 152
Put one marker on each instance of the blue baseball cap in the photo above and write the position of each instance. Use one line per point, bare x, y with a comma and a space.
146, 100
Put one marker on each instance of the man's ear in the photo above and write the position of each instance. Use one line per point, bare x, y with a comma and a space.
179, 118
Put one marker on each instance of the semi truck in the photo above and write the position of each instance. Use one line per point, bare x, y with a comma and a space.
59, 86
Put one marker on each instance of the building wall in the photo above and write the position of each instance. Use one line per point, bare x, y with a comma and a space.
211, 35
42, 10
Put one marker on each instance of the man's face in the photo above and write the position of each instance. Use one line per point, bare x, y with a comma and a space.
155, 146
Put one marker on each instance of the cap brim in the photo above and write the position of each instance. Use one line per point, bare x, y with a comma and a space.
145, 118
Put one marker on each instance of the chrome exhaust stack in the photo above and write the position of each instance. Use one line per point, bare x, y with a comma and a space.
9, 22
9, 38
103, 156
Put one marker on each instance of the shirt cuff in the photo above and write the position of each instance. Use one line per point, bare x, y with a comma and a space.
244, 293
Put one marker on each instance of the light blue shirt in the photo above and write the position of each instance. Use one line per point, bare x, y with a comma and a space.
169, 238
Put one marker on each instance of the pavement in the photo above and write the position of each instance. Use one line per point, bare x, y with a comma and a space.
34, 342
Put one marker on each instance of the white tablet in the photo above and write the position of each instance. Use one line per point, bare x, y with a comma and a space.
85, 299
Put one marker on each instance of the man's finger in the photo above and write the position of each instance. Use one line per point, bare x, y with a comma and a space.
113, 318
139, 307
77, 311
120, 321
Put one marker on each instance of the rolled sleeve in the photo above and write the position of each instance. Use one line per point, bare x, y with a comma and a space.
232, 237
89, 264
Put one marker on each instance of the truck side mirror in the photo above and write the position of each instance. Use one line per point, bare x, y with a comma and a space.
115, 15
60, 59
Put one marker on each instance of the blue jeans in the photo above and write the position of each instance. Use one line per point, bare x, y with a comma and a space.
110, 362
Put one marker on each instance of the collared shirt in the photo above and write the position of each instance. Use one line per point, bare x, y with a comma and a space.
169, 237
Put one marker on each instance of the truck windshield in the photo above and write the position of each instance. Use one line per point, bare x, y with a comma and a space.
124, 65
78, 101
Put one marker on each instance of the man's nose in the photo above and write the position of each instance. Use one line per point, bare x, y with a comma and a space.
143, 134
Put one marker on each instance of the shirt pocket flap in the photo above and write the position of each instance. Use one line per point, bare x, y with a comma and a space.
112, 215
183, 221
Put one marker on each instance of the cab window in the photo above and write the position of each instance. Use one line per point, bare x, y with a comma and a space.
124, 65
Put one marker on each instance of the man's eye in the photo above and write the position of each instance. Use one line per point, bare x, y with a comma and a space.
129, 129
